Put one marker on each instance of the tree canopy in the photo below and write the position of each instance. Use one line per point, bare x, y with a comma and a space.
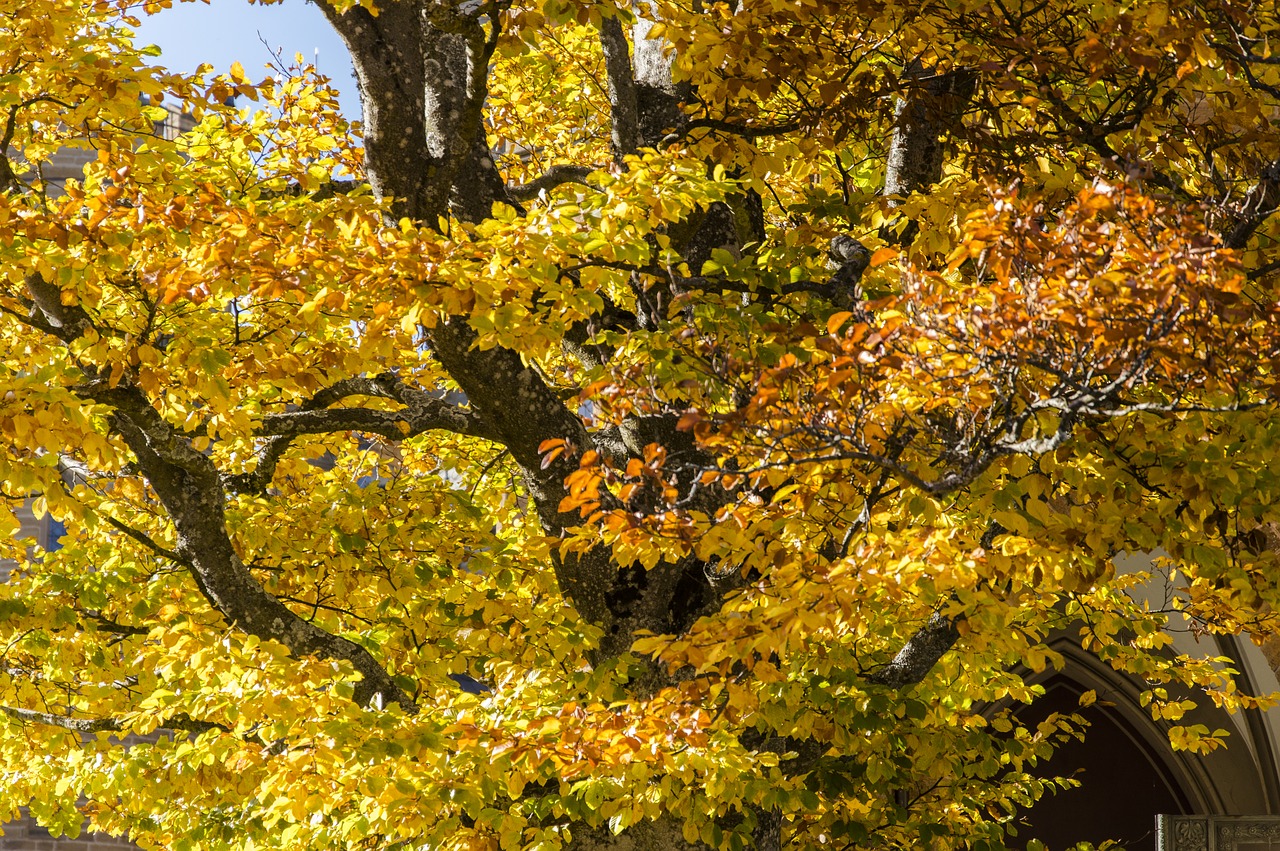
671, 425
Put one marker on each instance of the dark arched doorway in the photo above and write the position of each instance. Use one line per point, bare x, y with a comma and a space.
1125, 781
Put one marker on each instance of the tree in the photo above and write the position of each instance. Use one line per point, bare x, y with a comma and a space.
733, 397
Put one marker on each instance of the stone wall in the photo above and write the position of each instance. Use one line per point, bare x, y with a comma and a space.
26, 835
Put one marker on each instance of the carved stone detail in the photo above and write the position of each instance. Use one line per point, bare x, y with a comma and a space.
1217, 833
1190, 835
1251, 830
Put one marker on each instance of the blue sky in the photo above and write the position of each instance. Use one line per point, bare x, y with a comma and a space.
227, 31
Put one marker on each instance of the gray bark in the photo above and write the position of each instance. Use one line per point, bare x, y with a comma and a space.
390, 71
189, 486
921, 652
422, 70
510, 401
1259, 204
657, 93
929, 110
661, 835
653, 58
623, 106
191, 490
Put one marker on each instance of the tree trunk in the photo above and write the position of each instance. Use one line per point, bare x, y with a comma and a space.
665, 834
929, 111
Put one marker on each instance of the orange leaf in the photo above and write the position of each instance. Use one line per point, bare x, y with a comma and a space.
883, 255
836, 320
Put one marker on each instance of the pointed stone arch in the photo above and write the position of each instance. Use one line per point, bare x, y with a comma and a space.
1130, 772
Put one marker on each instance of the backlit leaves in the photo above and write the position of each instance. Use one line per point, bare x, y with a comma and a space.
1056, 359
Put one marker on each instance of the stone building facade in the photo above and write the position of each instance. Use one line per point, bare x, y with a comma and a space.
1129, 773
70, 162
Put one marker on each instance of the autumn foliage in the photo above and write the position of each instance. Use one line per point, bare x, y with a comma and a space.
736, 398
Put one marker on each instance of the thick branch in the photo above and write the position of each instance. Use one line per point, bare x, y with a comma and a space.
424, 411
182, 723
623, 106
188, 485
928, 112
520, 408
393, 425
657, 94
67, 321
921, 652
457, 53
512, 397
557, 175
1259, 204
423, 75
